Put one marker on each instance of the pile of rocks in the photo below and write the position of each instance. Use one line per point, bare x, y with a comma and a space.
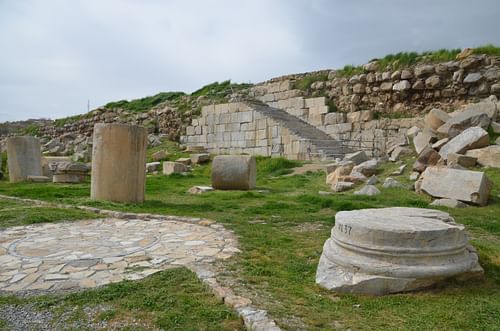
452, 142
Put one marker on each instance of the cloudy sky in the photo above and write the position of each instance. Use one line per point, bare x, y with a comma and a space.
56, 55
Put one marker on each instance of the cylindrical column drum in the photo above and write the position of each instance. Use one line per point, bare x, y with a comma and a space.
118, 163
234, 172
24, 158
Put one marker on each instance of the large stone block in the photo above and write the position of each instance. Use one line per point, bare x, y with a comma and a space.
51, 163
464, 120
390, 250
487, 157
170, 167
118, 163
24, 158
462, 185
471, 138
234, 172
436, 118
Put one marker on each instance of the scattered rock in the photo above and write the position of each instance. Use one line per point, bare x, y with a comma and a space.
367, 168
39, 179
357, 157
392, 183
471, 138
170, 167
428, 157
487, 156
200, 158
450, 203
440, 143
414, 175
369, 190
422, 140
343, 169
372, 180
200, 189
399, 171
152, 167
436, 118
160, 155
464, 120
463, 160
463, 185
184, 160
342, 186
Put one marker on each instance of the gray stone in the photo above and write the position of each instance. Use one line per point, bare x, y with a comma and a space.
471, 138
440, 143
436, 118
495, 127
428, 157
184, 160
422, 140
464, 120
372, 180
403, 85
200, 158
462, 185
356, 157
200, 189
340, 173
487, 156
473, 78
24, 158
234, 172
392, 183
414, 175
38, 179
399, 171
463, 160
400, 151
390, 250
152, 167
450, 203
369, 190
424, 70
413, 131
433, 82
170, 167
367, 168
160, 155
342, 186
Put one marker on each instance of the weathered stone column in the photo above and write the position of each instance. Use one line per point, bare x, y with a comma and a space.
234, 172
118, 163
389, 250
24, 158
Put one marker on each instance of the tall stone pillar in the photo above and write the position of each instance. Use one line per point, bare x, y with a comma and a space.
24, 158
118, 163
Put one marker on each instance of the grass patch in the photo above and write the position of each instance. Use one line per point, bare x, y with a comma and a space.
488, 49
282, 226
305, 82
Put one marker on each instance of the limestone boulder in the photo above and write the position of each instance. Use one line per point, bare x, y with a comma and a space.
413, 131
342, 170
390, 250
471, 138
369, 190
428, 157
367, 168
234, 172
392, 183
152, 167
463, 160
160, 155
487, 156
472, 117
436, 118
463, 185
342, 186
450, 203
200, 158
357, 157
170, 167
184, 160
423, 139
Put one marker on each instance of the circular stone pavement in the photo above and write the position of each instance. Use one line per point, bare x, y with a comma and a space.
90, 253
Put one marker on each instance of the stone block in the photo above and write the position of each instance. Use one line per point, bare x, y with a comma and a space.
428, 157
24, 158
360, 116
200, 158
160, 155
436, 118
472, 117
390, 250
234, 172
38, 179
174, 168
68, 178
356, 157
487, 156
315, 102
463, 160
462, 185
153, 167
184, 160
471, 138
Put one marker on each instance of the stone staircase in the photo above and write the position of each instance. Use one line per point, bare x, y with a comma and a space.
326, 147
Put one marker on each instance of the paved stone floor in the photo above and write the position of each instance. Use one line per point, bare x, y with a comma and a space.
90, 253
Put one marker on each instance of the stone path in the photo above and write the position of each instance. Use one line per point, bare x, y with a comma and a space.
91, 253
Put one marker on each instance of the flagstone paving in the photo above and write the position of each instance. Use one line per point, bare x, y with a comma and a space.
90, 253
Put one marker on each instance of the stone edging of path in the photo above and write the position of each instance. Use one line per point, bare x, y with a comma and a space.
253, 318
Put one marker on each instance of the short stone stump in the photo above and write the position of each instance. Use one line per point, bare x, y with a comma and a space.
234, 172
390, 250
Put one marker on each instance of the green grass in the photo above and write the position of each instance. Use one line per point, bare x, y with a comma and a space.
171, 300
488, 49
146, 103
282, 226
305, 82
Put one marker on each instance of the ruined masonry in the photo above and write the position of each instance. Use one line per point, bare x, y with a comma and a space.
281, 123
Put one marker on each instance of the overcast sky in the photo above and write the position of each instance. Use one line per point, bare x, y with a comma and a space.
57, 54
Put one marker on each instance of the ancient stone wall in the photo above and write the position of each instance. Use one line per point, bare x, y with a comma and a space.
234, 128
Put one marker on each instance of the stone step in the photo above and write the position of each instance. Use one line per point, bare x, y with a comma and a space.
326, 146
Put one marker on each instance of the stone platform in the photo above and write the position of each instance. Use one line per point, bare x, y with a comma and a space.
389, 250
90, 253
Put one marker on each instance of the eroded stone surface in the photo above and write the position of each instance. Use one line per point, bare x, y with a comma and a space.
388, 250
90, 253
